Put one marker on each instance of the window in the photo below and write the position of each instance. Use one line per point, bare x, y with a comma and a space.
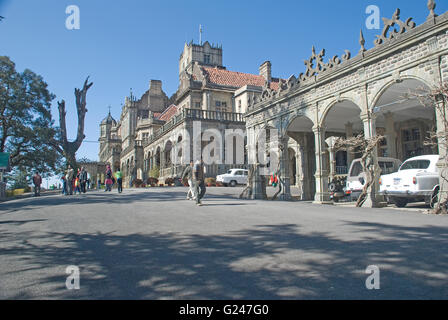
218, 103
416, 165
197, 105
386, 167
207, 59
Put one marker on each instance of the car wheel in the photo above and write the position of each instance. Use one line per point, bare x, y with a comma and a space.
233, 184
400, 203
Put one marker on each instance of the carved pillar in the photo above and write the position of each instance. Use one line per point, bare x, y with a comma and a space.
332, 154
441, 121
391, 135
284, 169
322, 194
349, 134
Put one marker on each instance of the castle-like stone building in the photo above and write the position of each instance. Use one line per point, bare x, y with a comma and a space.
153, 127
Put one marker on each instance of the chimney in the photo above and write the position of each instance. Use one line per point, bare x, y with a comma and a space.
155, 87
265, 71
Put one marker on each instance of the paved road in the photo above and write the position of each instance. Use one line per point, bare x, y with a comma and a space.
153, 244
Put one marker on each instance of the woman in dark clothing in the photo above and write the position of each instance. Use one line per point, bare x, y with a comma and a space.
109, 181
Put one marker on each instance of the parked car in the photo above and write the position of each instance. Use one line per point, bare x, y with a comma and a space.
233, 177
356, 178
416, 181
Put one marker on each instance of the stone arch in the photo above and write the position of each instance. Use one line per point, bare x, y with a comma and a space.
334, 103
299, 135
386, 86
402, 118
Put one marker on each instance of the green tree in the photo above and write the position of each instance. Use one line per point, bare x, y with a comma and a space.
26, 125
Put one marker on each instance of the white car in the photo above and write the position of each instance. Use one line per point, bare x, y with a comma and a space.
416, 181
233, 177
356, 178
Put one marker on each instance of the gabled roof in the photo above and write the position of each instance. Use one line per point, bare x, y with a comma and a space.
228, 78
168, 113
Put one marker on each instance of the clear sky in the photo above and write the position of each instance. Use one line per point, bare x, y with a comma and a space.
125, 44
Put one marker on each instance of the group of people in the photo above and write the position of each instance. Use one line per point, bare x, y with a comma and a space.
195, 174
73, 183
112, 178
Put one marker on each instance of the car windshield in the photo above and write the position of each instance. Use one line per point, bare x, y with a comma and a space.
415, 164
356, 170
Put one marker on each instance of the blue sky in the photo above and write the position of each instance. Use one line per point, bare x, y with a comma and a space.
125, 44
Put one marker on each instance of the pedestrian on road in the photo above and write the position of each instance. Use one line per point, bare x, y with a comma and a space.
69, 177
37, 181
83, 180
78, 182
199, 176
188, 174
109, 181
64, 185
119, 177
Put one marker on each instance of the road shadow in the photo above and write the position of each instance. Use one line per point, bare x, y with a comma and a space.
263, 262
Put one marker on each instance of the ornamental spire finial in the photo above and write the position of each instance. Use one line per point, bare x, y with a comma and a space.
362, 41
431, 7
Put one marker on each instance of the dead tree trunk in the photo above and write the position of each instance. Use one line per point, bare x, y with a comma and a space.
66, 148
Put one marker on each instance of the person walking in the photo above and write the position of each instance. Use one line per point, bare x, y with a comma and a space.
69, 177
78, 182
199, 176
119, 177
108, 179
188, 174
37, 181
64, 185
83, 179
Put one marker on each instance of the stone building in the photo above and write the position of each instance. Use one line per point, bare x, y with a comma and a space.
155, 131
370, 92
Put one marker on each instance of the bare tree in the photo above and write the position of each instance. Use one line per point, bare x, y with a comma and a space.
368, 148
66, 148
437, 99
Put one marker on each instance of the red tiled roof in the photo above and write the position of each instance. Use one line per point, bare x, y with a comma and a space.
168, 113
236, 79
157, 114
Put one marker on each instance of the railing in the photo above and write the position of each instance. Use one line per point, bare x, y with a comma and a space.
194, 114
341, 170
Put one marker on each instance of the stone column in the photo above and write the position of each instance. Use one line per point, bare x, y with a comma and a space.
391, 135
322, 194
332, 154
349, 134
284, 169
441, 164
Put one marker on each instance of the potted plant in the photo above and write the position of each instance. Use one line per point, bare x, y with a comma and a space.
210, 182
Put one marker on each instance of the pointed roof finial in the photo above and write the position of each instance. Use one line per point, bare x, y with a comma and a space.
109, 108
362, 41
431, 7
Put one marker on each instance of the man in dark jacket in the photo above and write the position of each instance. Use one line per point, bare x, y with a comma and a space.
199, 181
37, 181
83, 179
